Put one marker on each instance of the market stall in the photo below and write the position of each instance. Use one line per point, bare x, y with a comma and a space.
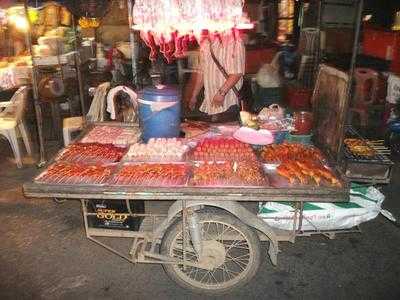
143, 174
43, 52
211, 173
208, 241
212, 169
50, 32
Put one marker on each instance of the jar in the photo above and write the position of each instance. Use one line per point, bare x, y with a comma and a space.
303, 122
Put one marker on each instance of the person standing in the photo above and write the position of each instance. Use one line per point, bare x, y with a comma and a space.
220, 102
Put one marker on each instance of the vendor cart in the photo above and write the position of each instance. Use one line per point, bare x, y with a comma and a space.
208, 241
229, 259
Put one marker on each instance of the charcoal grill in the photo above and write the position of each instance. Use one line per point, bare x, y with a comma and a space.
368, 169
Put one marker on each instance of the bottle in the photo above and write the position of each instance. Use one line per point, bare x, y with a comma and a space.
303, 122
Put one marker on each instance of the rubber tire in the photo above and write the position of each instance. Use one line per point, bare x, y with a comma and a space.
250, 234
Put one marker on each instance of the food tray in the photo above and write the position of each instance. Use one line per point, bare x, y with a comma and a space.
154, 159
91, 153
227, 174
160, 152
274, 154
304, 177
151, 174
222, 149
108, 134
71, 173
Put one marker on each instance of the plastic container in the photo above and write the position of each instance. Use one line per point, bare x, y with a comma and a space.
303, 122
159, 112
279, 136
299, 97
300, 139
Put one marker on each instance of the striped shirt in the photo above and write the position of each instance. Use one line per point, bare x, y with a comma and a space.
231, 54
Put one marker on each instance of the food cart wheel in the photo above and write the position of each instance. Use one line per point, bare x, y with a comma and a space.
230, 254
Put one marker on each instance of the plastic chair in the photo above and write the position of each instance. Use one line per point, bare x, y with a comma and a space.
11, 120
95, 114
367, 81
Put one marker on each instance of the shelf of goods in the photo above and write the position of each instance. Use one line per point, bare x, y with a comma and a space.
14, 72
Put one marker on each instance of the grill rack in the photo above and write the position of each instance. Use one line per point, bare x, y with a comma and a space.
377, 158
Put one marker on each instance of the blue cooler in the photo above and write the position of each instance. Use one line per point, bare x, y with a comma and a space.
159, 112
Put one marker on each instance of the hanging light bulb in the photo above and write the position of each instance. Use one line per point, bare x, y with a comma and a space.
17, 18
21, 23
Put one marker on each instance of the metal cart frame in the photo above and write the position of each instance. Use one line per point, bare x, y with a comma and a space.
189, 203
188, 200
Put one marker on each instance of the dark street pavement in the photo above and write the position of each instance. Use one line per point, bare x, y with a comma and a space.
45, 255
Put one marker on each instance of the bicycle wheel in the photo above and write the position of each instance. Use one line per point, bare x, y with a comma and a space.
230, 256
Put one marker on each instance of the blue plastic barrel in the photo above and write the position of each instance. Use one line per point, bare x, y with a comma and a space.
159, 112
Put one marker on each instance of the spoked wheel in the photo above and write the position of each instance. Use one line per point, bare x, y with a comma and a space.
230, 254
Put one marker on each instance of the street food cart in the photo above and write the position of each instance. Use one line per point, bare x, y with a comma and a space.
220, 249
208, 241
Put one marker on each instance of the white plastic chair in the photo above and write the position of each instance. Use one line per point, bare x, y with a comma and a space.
95, 114
12, 119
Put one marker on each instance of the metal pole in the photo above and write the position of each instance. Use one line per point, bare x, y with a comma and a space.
354, 54
134, 48
318, 55
184, 236
38, 109
78, 68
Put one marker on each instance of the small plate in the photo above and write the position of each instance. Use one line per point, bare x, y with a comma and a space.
254, 137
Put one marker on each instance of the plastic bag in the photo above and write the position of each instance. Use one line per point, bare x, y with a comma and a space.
365, 204
268, 75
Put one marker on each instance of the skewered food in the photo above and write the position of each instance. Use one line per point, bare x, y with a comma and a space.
152, 175
228, 174
359, 147
104, 134
306, 172
69, 173
213, 149
159, 149
283, 152
92, 152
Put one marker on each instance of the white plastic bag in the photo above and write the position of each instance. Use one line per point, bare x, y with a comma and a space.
268, 75
365, 204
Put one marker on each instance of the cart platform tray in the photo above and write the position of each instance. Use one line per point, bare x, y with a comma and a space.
295, 194
112, 192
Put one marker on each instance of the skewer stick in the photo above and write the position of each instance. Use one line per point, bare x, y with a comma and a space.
375, 142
